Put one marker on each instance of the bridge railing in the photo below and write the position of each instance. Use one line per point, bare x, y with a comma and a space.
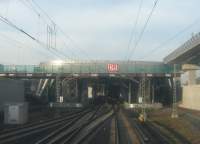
86, 68
189, 44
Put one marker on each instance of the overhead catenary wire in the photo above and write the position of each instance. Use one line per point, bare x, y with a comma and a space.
133, 31
18, 44
5, 20
30, 7
164, 43
46, 21
60, 29
64, 34
143, 30
8, 22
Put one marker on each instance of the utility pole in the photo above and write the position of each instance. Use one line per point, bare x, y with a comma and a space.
59, 98
174, 105
129, 93
76, 88
153, 93
58, 88
143, 115
144, 98
148, 94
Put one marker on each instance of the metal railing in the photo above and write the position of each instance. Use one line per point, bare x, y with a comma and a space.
189, 44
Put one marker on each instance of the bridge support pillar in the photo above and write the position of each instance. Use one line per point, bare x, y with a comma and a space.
191, 70
191, 87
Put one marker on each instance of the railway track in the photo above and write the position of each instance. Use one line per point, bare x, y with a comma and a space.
117, 134
195, 120
77, 132
40, 121
17, 134
68, 129
147, 132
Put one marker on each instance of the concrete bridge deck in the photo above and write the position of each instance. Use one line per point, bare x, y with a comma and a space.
189, 52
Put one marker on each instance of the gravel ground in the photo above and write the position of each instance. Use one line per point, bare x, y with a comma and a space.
185, 128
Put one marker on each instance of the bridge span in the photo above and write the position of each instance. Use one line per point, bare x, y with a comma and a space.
88, 69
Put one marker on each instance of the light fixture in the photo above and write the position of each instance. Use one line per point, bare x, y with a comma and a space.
57, 62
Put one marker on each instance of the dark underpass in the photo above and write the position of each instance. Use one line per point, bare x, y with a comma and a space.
82, 90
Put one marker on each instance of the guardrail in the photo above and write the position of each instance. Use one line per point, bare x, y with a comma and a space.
189, 44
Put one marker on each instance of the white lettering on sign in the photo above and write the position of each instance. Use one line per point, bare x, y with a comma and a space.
168, 75
29, 75
90, 93
11, 74
48, 75
94, 75
113, 67
1, 75
140, 99
149, 75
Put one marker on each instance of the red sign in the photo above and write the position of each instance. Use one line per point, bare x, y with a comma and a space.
113, 68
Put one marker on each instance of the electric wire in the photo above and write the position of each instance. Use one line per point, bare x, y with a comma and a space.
8, 22
32, 8
143, 30
60, 29
16, 43
35, 6
164, 43
134, 29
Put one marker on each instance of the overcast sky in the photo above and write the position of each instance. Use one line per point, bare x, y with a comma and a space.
98, 29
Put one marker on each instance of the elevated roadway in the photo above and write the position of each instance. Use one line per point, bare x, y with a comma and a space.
188, 53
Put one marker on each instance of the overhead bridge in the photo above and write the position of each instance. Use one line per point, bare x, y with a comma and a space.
187, 53
89, 68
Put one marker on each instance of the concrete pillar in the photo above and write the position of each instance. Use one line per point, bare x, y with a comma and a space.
191, 92
191, 77
191, 69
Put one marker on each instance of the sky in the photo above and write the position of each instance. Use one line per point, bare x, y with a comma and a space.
95, 29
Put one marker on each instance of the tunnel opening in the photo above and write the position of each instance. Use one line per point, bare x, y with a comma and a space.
114, 92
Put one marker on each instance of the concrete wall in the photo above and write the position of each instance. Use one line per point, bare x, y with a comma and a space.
191, 97
11, 91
